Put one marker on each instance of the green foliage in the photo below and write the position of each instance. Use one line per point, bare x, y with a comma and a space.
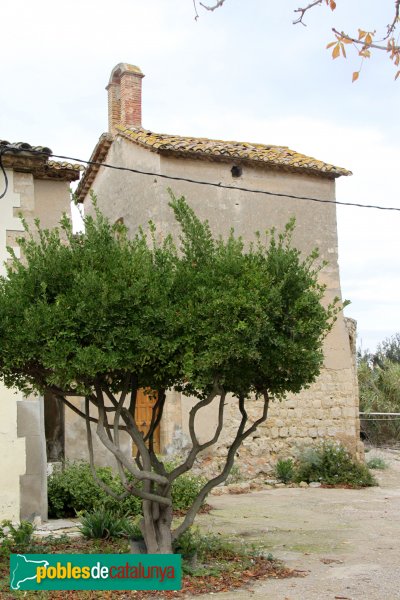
104, 523
285, 470
389, 349
87, 304
330, 463
207, 554
379, 384
16, 538
377, 463
88, 313
98, 305
255, 314
185, 490
72, 489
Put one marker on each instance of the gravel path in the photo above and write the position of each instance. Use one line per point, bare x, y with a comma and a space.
346, 543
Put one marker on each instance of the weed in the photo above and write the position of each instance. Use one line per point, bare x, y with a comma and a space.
15, 537
235, 475
331, 464
377, 463
104, 524
285, 470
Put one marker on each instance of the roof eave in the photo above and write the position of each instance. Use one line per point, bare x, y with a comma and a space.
98, 156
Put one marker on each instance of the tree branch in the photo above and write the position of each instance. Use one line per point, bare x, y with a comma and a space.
116, 430
303, 11
392, 26
156, 415
76, 410
127, 463
214, 7
196, 14
196, 447
241, 435
99, 482
134, 389
363, 43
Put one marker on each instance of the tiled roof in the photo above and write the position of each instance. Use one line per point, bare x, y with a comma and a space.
53, 164
23, 157
273, 157
280, 157
24, 147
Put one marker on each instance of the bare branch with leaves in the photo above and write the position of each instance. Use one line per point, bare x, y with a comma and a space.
363, 43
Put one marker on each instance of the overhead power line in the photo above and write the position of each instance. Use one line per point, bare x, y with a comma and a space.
194, 181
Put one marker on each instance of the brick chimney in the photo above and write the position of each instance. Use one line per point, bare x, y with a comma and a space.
125, 97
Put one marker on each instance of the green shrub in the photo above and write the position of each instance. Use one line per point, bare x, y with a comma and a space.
330, 463
376, 463
379, 385
72, 489
284, 470
185, 490
103, 523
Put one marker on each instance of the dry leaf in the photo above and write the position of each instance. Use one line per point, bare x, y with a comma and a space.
336, 51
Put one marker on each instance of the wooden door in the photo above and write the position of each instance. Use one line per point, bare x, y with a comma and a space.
144, 404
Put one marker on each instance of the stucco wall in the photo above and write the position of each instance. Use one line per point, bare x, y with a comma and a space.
12, 449
329, 408
23, 487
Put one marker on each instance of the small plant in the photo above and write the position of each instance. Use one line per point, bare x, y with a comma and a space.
330, 463
285, 470
212, 554
15, 537
188, 545
377, 463
105, 524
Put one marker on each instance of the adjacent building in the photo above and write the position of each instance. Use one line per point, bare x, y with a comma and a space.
36, 187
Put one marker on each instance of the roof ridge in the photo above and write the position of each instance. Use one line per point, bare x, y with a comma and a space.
280, 157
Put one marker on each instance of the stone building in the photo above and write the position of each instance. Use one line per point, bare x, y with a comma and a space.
329, 408
36, 187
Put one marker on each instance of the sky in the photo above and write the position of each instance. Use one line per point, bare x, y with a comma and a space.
243, 72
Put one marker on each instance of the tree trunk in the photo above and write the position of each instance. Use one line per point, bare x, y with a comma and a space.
156, 530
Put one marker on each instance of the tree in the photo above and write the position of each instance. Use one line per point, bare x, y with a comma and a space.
379, 384
389, 349
363, 42
100, 316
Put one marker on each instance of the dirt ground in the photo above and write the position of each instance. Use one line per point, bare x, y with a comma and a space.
345, 543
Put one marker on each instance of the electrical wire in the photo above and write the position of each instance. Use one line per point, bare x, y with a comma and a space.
199, 182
